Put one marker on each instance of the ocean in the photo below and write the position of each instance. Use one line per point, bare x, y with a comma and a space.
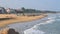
47, 25
51, 26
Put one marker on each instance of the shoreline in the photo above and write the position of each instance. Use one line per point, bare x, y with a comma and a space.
4, 30
21, 19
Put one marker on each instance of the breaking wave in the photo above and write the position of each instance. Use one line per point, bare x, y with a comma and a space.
51, 26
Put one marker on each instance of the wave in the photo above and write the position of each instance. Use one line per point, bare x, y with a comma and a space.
52, 17
34, 29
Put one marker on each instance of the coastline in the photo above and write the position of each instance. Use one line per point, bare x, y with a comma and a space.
21, 19
4, 30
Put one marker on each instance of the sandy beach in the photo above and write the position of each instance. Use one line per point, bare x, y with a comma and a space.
21, 19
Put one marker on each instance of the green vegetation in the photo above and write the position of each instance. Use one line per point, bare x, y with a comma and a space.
2, 10
23, 10
34, 11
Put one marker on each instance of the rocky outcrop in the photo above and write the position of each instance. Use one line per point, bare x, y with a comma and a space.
8, 31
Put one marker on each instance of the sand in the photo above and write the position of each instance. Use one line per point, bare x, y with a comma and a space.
20, 19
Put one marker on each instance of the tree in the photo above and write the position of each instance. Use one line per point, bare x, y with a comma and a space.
2, 10
23, 9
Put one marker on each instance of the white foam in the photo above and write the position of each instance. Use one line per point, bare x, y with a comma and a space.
47, 22
50, 21
33, 31
51, 17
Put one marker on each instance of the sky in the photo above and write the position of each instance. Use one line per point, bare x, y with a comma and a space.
53, 5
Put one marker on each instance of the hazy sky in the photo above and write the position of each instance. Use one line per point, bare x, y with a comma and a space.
35, 4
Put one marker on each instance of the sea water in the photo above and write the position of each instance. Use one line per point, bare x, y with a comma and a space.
47, 25
51, 26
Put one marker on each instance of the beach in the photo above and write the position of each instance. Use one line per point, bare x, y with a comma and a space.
21, 19
21, 26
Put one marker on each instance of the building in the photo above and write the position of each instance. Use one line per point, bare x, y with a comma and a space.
2, 10
11, 11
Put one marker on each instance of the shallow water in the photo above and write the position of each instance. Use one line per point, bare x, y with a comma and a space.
20, 27
49, 27
39, 26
